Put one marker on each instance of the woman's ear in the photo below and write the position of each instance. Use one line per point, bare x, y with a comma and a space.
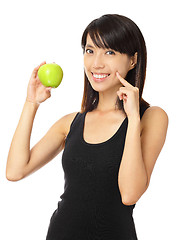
133, 61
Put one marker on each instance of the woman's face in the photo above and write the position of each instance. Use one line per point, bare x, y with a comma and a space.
101, 66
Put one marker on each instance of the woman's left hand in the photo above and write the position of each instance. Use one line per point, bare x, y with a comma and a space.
130, 96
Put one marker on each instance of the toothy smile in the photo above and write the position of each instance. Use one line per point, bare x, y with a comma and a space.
100, 75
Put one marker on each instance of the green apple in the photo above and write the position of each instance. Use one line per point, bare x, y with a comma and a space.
50, 75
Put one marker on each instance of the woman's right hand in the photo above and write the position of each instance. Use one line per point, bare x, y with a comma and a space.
36, 91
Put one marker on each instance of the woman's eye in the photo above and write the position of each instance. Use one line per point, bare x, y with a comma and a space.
89, 51
110, 53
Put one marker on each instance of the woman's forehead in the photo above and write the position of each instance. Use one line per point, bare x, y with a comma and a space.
95, 41
89, 40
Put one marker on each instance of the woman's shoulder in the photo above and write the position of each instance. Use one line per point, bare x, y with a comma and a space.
154, 115
155, 110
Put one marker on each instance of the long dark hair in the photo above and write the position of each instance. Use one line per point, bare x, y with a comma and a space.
121, 34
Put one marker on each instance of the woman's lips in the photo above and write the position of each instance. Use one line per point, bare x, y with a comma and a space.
99, 77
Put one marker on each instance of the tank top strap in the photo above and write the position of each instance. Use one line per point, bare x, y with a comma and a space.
75, 124
142, 110
75, 119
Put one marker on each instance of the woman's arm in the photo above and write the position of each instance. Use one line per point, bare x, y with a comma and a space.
21, 160
19, 152
141, 152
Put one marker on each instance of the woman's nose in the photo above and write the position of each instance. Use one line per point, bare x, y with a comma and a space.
98, 62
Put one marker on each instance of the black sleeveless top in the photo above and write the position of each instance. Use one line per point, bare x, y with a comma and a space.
91, 207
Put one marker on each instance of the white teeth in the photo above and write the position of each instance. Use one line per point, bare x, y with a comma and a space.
100, 76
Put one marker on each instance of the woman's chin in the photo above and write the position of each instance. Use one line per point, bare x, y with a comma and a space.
96, 87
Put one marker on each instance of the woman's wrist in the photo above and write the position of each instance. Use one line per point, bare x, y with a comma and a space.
36, 104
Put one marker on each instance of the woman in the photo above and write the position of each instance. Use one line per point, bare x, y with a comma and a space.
110, 146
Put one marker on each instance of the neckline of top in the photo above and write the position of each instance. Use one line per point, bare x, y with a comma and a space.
101, 143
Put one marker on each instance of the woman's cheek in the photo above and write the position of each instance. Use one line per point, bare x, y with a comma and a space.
85, 70
122, 71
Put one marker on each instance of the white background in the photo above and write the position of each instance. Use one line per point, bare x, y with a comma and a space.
34, 31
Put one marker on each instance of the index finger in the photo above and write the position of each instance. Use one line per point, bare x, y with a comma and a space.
123, 81
37, 68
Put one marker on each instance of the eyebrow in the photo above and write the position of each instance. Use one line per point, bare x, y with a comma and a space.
88, 45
